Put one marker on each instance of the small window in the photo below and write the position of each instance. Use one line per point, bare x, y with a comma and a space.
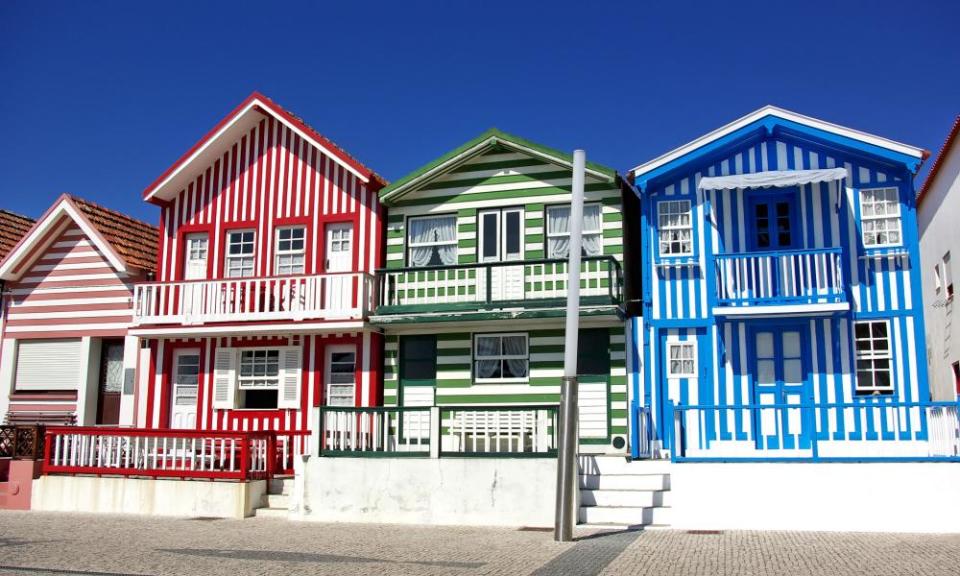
240, 254
418, 358
681, 359
874, 373
675, 228
593, 352
937, 280
558, 231
880, 213
342, 378
432, 241
948, 275
501, 357
259, 379
956, 377
291, 250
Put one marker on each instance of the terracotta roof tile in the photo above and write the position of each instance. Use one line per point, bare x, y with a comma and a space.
135, 241
13, 226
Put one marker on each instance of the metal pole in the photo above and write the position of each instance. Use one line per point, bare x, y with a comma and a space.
567, 452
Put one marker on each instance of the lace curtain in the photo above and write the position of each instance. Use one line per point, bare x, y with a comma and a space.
558, 231
432, 241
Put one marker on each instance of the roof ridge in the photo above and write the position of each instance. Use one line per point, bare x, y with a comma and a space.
16, 215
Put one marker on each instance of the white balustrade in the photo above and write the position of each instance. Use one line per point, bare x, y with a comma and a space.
800, 276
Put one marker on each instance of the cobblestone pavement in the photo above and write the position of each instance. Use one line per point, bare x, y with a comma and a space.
43, 544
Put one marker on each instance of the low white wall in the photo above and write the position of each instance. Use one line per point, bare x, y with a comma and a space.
868, 497
442, 491
189, 498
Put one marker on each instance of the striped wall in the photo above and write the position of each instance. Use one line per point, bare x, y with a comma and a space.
501, 179
455, 383
70, 290
268, 178
829, 217
157, 361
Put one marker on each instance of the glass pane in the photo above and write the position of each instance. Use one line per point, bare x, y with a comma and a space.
791, 344
513, 233
792, 372
766, 372
765, 344
490, 236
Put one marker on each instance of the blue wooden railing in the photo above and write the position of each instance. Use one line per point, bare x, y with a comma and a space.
813, 276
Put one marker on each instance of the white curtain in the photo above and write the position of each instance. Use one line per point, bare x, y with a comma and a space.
558, 231
488, 346
441, 232
592, 236
516, 346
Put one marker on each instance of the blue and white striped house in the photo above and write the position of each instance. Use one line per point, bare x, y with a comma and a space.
781, 297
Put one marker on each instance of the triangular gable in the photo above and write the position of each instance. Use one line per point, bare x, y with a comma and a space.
471, 155
47, 229
770, 120
230, 129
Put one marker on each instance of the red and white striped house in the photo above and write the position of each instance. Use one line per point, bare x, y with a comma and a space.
67, 355
269, 237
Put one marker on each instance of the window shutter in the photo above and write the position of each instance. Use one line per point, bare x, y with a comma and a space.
290, 378
224, 378
48, 364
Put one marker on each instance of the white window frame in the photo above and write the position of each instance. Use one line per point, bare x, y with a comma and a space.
230, 258
598, 232
455, 242
937, 279
947, 264
290, 253
691, 345
501, 357
887, 218
872, 355
664, 208
259, 382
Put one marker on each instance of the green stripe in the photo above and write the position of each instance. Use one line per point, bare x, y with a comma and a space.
498, 398
501, 195
519, 163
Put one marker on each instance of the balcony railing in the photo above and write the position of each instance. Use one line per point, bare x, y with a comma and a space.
496, 285
780, 278
322, 296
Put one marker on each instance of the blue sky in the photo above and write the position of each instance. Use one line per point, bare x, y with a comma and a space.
99, 98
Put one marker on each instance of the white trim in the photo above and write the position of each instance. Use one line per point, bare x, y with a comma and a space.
69, 302
70, 328
692, 344
779, 113
500, 357
74, 314
186, 163
298, 328
785, 310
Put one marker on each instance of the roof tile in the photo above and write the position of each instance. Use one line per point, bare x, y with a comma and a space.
13, 227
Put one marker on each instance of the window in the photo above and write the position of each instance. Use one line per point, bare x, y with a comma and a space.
341, 376
558, 231
681, 359
880, 212
956, 377
291, 247
240, 250
937, 281
48, 364
675, 228
432, 241
259, 378
500, 357
873, 357
418, 358
593, 352
948, 275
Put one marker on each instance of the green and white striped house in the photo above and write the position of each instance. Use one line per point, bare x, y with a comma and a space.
473, 299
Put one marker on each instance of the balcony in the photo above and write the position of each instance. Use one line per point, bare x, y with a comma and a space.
339, 297
794, 281
497, 286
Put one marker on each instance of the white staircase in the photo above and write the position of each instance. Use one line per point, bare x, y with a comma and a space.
276, 502
615, 492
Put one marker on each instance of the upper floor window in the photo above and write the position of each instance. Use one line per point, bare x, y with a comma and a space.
195, 266
501, 357
948, 275
880, 215
240, 254
558, 231
675, 228
874, 373
432, 240
681, 359
937, 280
291, 248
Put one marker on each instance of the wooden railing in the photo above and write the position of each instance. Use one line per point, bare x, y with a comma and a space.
21, 442
160, 453
812, 276
323, 296
439, 431
496, 284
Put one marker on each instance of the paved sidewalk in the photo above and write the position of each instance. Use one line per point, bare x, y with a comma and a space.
44, 544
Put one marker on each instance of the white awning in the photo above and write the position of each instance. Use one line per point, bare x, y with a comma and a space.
778, 178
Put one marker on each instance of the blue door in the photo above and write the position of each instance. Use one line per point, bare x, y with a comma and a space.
780, 381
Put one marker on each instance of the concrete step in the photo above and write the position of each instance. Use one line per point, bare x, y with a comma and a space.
621, 465
641, 498
280, 485
662, 517
278, 501
666, 498
620, 515
625, 482
271, 513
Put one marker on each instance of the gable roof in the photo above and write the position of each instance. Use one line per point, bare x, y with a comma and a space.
770, 117
489, 139
127, 243
215, 142
938, 163
12, 228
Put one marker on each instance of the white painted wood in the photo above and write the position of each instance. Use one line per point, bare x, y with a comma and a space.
185, 380
224, 378
52, 364
289, 395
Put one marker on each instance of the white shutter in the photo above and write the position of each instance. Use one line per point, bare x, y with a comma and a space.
224, 378
48, 364
290, 378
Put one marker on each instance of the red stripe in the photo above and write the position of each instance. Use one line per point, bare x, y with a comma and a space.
105, 282
12, 321
69, 333
47, 296
70, 308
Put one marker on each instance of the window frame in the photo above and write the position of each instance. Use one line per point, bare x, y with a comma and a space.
228, 257
403, 360
859, 390
689, 211
547, 235
407, 244
240, 377
475, 357
278, 253
898, 217
946, 263
692, 344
